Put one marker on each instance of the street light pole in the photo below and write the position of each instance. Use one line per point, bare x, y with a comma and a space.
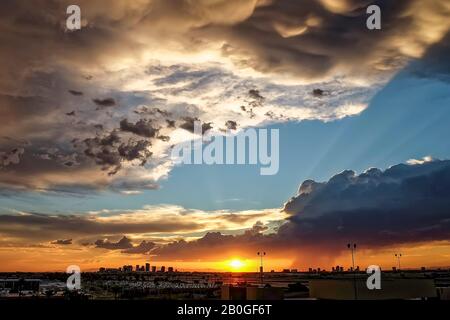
352, 247
261, 254
398, 256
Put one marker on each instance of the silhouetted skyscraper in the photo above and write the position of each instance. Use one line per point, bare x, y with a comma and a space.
147, 267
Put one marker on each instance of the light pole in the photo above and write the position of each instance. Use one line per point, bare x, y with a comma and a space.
261, 254
398, 256
352, 247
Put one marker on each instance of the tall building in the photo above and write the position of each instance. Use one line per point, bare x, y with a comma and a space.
147, 267
153, 268
127, 268
137, 268
170, 269
163, 269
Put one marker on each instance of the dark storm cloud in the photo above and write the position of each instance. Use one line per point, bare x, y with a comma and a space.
255, 94
107, 102
52, 120
51, 78
123, 243
435, 63
307, 39
141, 128
189, 125
206, 127
404, 204
104, 151
135, 150
142, 248
231, 125
109, 151
304, 39
215, 245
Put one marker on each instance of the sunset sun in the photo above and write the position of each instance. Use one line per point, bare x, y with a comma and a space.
236, 264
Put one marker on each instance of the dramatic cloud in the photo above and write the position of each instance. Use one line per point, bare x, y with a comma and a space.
142, 248
156, 222
141, 128
43, 227
123, 243
231, 125
246, 62
404, 205
188, 125
435, 63
110, 152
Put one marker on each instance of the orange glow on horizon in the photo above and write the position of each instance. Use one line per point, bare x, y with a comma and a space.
432, 254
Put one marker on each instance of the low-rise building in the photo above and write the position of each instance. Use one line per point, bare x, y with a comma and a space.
391, 289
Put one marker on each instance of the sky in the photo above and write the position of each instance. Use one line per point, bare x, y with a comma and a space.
89, 119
